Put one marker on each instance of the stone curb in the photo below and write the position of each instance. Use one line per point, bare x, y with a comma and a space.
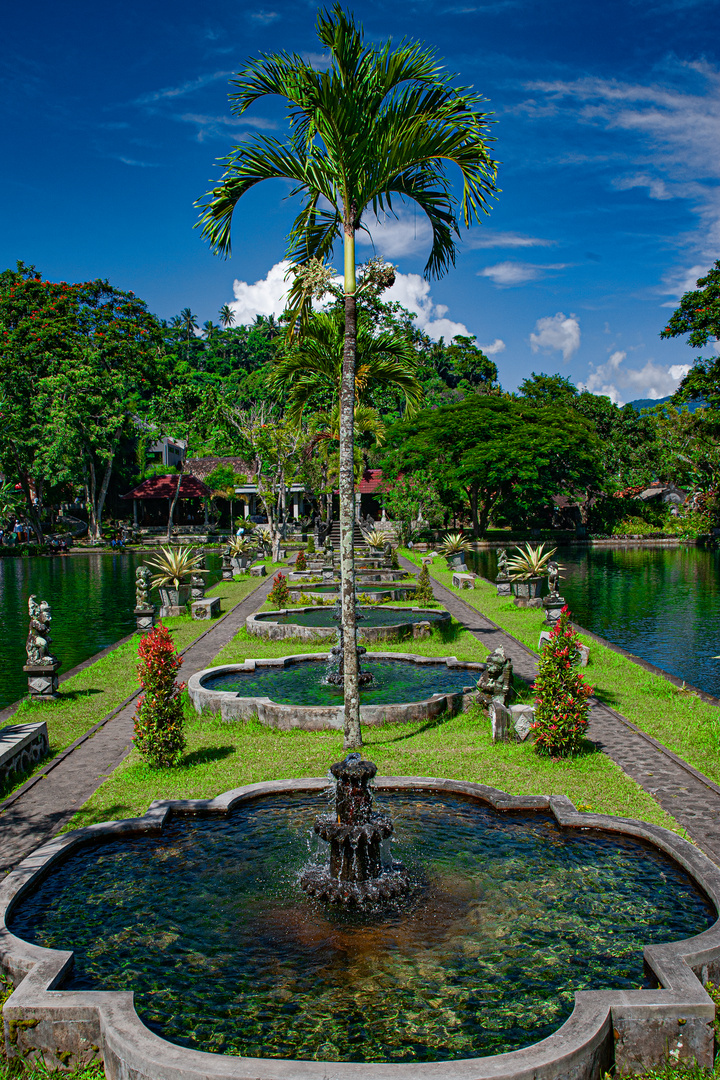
54, 762
232, 706
634, 1029
261, 625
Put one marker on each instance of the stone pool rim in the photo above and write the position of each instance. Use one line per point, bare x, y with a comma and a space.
261, 624
634, 1028
232, 706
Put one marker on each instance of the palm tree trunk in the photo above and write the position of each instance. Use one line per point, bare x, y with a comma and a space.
353, 734
171, 509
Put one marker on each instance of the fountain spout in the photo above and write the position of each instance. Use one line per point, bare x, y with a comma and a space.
356, 874
336, 656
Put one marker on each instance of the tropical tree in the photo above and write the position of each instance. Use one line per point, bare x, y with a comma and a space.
310, 370
380, 126
226, 316
698, 316
189, 324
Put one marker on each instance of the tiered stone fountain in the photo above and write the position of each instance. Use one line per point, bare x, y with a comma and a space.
356, 874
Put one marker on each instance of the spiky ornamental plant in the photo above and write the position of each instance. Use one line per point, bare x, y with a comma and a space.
159, 712
380, 126
561, 694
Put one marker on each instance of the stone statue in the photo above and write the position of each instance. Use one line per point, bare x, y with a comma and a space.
495, 683
142, 588
502, 571
553, 577
39, 640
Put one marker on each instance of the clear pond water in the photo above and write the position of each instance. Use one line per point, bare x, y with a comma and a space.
368, 616
225, 953
92, 596
303, 683
662, 604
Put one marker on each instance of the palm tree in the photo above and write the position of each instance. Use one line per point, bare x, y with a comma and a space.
226, 316
315, 365
189, 323
380, 125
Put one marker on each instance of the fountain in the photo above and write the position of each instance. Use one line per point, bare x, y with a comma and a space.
336, 656
378, 623
356, 875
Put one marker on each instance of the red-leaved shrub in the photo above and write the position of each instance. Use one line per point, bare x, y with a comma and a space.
561, 695
159, 712
279, 595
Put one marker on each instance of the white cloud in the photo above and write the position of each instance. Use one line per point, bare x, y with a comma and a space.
497, 346
506, 274
395, 236
264, 297
488, 238
413, 292
681, 281
557, 333
264, 17
268, 295
185, 88
621, 384
221, 126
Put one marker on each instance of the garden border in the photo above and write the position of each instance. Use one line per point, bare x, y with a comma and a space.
634, 1029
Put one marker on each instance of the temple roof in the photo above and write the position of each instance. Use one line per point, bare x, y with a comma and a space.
163, 487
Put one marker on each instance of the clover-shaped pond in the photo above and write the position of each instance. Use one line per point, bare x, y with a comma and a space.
510, 916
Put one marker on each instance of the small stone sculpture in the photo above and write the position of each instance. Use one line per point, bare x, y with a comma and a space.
142, 588
39, 640
501, 564
227, 567
495, 683
553, 577
197, 581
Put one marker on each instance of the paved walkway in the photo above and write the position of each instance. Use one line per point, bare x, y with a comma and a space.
42, 807
691, 798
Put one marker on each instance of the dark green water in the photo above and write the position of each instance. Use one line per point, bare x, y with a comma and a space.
662, 604
368, 616
207, 924
92, 597
302, 684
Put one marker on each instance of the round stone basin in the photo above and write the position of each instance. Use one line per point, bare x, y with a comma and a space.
511, 914
374, 623
292, 691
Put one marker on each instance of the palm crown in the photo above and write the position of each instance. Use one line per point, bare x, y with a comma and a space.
379, 124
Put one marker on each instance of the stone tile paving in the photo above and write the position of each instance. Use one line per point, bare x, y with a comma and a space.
37, 812
691, 798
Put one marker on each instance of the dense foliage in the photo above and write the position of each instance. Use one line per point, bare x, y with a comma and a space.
561, 694
159, 713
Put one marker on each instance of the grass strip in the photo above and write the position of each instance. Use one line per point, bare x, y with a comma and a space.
677, 718
86, 698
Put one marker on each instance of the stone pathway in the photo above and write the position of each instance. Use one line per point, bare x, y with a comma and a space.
36, 812
691, 798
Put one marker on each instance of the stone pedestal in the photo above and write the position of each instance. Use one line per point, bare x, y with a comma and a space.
527, 602
21, 747
144, 619
499, 720
42, 681
207, 608
197, 588
553, 605
522, 718
421, 630
227, 567
258, 571
169, 611
463, 581
503, 586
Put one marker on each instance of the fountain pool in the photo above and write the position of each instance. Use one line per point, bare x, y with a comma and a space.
375, 623
517, 904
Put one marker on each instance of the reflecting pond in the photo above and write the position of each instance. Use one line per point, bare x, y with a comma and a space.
92, 596
662, 604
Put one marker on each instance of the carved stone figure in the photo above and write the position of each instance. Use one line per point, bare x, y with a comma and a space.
39, 640
501, 564
495, 683
553, 577
226, 563
142, 588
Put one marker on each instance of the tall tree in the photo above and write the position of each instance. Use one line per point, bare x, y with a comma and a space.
378, 127
698, 316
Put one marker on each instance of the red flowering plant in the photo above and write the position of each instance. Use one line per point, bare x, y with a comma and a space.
301, 561
159, 712
279, 595
561, 694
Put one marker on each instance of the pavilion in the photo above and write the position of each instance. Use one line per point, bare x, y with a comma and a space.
152, 500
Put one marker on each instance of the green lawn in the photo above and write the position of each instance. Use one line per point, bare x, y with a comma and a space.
680, 720
94, 692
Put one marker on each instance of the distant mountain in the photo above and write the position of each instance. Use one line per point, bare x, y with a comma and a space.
650, 403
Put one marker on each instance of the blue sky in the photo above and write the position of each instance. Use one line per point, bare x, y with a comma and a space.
608, 130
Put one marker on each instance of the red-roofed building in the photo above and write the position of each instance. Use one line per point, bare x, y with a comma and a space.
152, 499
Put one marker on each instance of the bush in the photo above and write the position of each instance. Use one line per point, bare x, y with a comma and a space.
300, 563
394, 564
279, 595
159, 713
423, 592
561, 705
311, 545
